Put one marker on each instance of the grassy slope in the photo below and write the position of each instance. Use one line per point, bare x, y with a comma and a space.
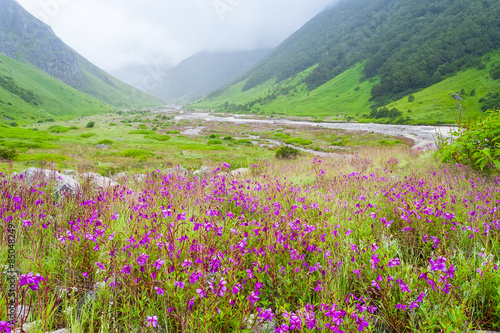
59, 101
339, 96
117, 93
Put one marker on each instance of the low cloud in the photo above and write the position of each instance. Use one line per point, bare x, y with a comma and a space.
113, 33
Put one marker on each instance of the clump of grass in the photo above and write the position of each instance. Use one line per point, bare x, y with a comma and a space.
142, 132
244, 142
214, 142
105, 142
87, 135
173, 132
298, 141
57, 129
158, 137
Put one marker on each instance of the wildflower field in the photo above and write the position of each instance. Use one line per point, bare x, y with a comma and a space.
386, 240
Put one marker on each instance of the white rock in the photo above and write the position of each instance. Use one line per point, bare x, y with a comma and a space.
64, 184
98, 180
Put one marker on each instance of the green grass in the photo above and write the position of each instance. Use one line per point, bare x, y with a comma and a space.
347, 96
55, 100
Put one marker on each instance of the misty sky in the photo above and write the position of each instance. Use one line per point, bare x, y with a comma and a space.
112, 33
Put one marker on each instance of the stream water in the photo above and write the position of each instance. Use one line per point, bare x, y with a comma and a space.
424, 136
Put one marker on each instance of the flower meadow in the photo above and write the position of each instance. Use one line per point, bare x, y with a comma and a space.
357, 244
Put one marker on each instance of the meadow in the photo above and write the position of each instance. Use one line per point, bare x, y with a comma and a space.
375, 238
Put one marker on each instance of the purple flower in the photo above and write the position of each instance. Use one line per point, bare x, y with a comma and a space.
401, 307
375, 284
236, 289
295, 321
159, 291
141, 260
282, 329
394, 262
5, 327
179, 284
152, 321
126, 269
439, 264
201, 292
98, 264
181, 216
253, 298
158, 263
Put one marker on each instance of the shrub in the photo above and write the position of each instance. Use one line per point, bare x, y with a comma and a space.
299, 141
137, 153
158, 137
143, 132
87, 135
90, 124
105, 142
7, 154
228, 137
411, 98
173, 132
287, 152
244, 142
113, 124
73, 128
213, 136
14, 124
477, 144
142, 126
214, 142
57, 129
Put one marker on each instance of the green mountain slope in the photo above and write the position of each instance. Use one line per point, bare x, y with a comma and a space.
366, 54
28, 40
28, 94
349, 94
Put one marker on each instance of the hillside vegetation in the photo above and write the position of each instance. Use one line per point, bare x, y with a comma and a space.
26, 39
390, 50
28, 95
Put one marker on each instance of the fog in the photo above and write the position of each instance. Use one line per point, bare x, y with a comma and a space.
117, 33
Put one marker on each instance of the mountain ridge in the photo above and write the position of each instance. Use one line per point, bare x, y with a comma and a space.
32, 42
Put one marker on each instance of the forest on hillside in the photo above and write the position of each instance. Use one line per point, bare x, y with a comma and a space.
408, 45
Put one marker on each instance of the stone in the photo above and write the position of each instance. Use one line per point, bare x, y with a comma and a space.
65, 185
71, 173
121, 176
100, 146
202, 171
98, 180
86, 301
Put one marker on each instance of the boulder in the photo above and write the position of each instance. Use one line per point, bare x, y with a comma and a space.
64, 184
71, 173
100, 146
98, 180
202, 171
120, 176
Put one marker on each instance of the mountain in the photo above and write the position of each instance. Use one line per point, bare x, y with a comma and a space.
30, 41
363, 56
203, 73
28, 94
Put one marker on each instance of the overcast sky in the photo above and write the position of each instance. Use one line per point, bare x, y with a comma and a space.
112, 33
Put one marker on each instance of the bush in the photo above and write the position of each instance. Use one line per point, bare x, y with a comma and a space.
113, 124
173, 132
286, 152
299, 141
158, 137
142, 126
141, 153
90, 124
143, 132
8, 154
73, 128
57, 129
105, 142
87, 135
411, 98
228, 137
214, 142
477, 144
213, 136
244, 142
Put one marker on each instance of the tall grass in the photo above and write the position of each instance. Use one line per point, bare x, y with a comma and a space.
366, 242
